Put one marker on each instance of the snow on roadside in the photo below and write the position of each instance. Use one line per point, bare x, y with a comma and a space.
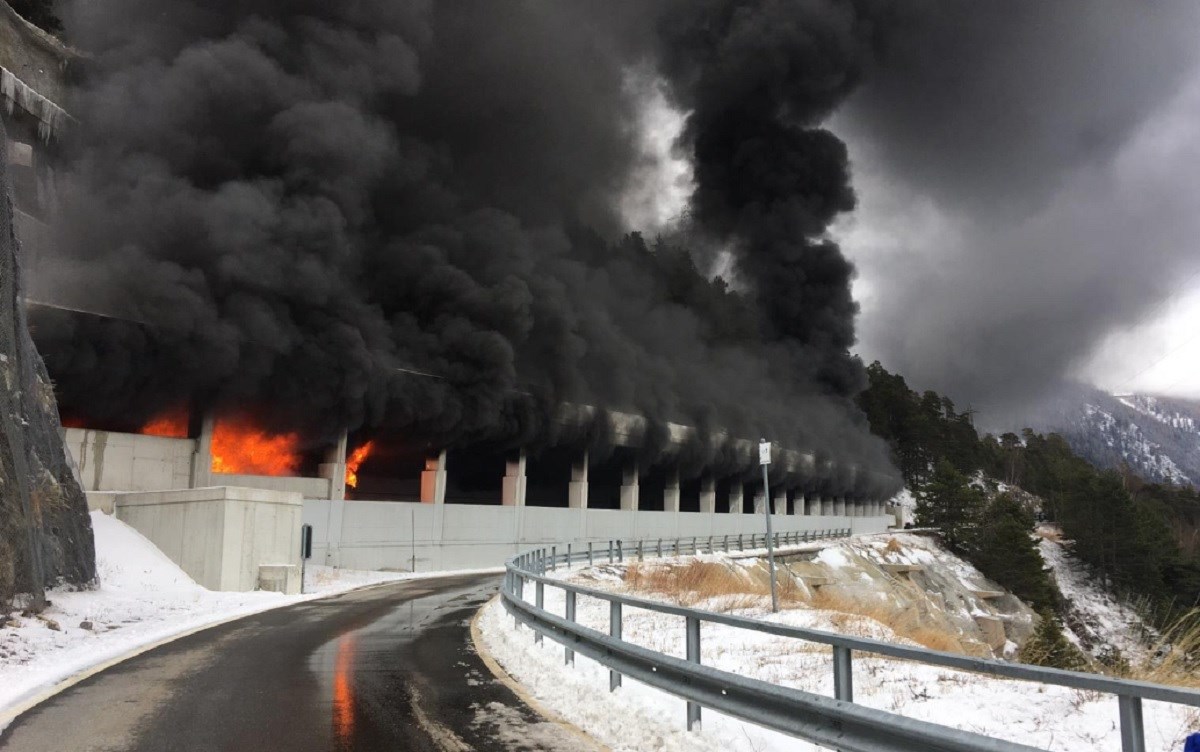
143, 598
1095, 619
637, 717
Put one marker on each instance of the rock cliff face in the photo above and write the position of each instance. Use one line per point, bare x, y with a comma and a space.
45, 531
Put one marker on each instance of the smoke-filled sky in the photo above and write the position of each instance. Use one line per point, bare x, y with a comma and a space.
1029, 184
291, 205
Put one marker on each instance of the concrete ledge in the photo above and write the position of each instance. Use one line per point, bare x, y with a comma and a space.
211, 493
279, 578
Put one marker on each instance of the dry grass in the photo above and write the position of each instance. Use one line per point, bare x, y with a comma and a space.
1176, 657
893, 546
735, 587
905, 622
697, 581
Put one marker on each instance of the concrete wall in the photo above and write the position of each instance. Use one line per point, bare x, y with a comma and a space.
389, 535
110, 461
219, 536
309, 488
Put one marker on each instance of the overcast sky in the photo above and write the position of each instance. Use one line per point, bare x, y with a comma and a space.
1029, 199
1029, 185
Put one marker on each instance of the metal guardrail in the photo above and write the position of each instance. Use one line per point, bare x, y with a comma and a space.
835, 722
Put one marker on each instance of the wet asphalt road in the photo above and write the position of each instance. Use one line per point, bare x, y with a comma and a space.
390, 668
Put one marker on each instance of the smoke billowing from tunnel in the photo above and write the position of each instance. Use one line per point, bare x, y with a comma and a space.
291, 207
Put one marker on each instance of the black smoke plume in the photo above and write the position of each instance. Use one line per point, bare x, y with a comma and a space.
404, 214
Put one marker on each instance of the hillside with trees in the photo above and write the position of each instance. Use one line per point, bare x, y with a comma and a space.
1138, 538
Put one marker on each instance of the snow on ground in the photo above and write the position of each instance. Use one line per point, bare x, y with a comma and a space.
143, 598
1095, 619
638, 717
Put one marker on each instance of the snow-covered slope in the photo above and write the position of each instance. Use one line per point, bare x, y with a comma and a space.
636, 717
1158, 437
1093, 619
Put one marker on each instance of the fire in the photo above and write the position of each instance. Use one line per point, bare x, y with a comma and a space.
242, 448
172, 424
354, 461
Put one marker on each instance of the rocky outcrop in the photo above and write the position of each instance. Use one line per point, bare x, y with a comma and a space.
45, 530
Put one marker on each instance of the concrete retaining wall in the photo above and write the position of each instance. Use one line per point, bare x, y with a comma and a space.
424, 537
220, 536
110, 461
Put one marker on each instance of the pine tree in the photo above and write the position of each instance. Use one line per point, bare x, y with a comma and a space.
1049, 647
948, 503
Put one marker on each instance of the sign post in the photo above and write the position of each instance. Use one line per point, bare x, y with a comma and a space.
764, 459
305, 551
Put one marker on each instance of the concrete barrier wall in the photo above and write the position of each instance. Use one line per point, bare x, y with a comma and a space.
220, 536
110, 461
310, 488
407, 536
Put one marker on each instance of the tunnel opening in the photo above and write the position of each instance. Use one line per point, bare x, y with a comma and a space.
548, 477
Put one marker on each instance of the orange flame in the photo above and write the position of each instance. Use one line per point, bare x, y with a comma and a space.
172, 424
241, 448
355, 461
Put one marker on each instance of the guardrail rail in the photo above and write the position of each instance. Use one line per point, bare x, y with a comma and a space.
837, 722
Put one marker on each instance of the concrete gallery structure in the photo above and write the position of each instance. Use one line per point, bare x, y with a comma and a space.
438, 526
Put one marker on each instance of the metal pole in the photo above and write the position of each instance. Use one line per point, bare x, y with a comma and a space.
1133, 738
568, 653
539, 600
591, 561
614, 629
770, 541
693, 655
568, 557
843, 677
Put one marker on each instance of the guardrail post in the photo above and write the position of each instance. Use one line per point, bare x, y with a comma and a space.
568, 653
740, 546
610, 555
553, 558
640, 558
1133, 738
694, 549
725, 543
538, 599
710, 545
568, 557
676, 548
591, 561
614, 629
660, 548
620, 551
843, 678
693, 655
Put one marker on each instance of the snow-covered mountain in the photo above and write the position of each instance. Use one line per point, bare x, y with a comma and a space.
1158, 437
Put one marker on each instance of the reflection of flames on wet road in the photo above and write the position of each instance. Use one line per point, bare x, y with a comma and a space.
343, 693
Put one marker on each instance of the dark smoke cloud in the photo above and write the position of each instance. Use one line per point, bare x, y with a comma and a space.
1029, 180
294, 205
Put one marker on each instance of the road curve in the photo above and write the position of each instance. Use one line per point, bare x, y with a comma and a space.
389, 668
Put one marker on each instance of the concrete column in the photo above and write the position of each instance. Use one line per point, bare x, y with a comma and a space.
433, 479
334, 468
797, 503
629, 486
708, 494
780, 505
671, 491
577, 489
839, 506
827, 506
202, 459
512, 487
812, 504
759, 499
736, 491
